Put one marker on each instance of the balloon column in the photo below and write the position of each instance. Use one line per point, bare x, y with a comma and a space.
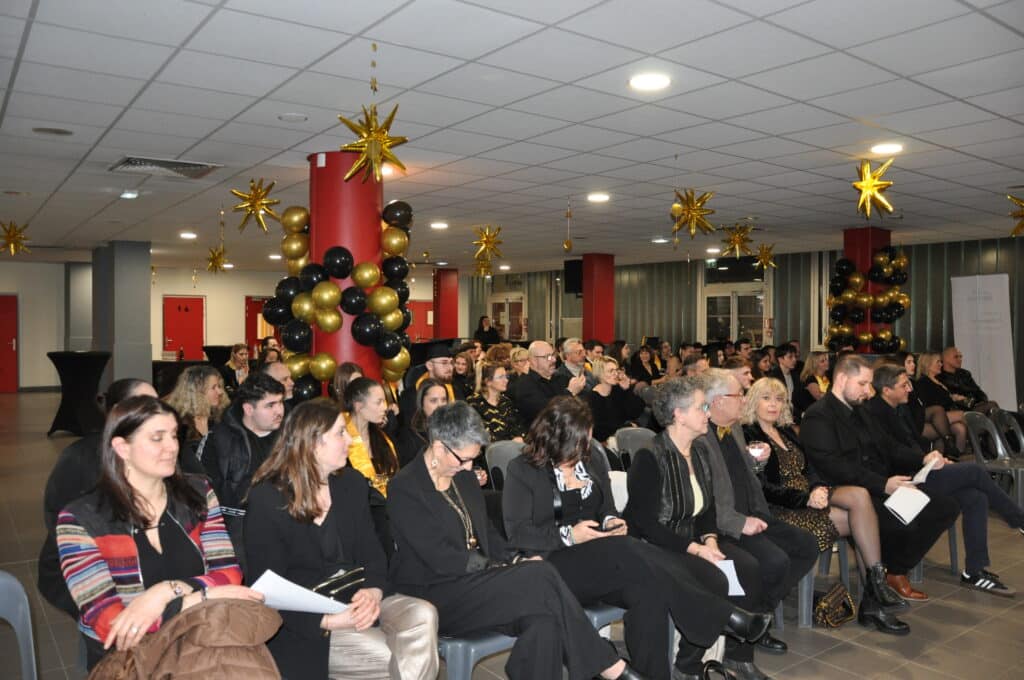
850, 303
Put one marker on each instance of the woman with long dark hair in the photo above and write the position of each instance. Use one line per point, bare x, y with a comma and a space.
309, 518
493, 404
413, 439
486, 333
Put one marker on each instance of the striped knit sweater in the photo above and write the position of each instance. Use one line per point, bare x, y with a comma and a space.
101, 564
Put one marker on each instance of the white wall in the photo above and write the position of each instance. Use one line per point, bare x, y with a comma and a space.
40, 290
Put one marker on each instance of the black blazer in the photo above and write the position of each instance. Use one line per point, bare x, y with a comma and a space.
532, 393
307, 554
898, 424
932, 394
430, 540
771, 476
528, 505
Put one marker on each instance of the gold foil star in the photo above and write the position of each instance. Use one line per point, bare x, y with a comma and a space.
487, 243
374, 143
764, 257
216, 260
1017, 215
256, 204
871, 185
14, 238
689, 210
737, 240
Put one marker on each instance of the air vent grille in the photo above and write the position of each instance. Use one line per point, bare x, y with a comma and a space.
163, 167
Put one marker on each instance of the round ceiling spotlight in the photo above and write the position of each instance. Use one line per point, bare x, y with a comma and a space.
438, 225
659, 240
598, 197
189, 235
887, 148
649, 82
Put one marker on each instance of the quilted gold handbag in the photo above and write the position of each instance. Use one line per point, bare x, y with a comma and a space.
835, 607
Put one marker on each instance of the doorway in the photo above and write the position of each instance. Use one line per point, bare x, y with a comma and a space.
184, 327
8, 343
507, 312
732, 311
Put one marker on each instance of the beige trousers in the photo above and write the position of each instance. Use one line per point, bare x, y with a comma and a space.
403, 647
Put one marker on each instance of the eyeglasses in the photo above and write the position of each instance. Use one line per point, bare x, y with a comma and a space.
462, 461
705, 408
545, 357
740, 395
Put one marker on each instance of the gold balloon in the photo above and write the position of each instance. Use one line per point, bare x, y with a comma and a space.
865, 299
884, 334
328, 320
887, 270
845, 329
865, 337
855, 281
881, 300
676, 210
903, 344
567, 245
833, 329
903, 299
849, 296
295, 245
397, 363
392, 320
881, 259
366, 274
303, 307
394, 241
326, 294
298, 364
322, 366
901, 261
295, 219
392, 376
382, 300
295, 264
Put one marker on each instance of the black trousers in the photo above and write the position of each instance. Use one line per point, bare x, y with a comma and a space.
650, 585
531, 602
784, 554
904, 545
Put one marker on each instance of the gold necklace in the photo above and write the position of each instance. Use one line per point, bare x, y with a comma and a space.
459, 506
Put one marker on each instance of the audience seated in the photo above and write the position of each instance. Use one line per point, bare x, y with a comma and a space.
574, 360
933, 394
741, 369
413, 439
499, 414
611, 401
236, 370
437, 366
814, 381
485, 333
642, 369
931, 422
533, 391
760, 363
786, 372
695, 364
464, 374
594, 349
200, 399
960, 383
268, 356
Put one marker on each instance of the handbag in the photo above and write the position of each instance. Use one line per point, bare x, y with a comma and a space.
835, 607
342, 584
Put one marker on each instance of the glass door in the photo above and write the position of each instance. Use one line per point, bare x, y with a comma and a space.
734, 311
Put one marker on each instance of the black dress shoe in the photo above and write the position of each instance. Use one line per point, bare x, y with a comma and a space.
747, 626
630, 673
744, 670
772, 645
882, 620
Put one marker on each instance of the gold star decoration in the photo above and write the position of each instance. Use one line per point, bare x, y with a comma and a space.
374, 143
216, 259
256, 204
737, 240
871, 185
14, 238
1017, 215
487, 243
482, 268
689, 210
764, 257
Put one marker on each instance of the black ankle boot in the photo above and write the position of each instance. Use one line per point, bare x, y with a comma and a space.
951, 450
747, 626
873, 615
880, 590
630, 673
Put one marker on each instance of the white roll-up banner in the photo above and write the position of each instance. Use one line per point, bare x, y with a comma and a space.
982, 330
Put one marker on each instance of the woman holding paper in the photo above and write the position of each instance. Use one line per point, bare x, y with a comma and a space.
309, 521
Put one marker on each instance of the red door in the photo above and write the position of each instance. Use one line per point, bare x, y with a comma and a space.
8, 343
184, 326
419, 329
256, 327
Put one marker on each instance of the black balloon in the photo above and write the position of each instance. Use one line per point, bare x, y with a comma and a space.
837, 284
406, 319
856, 315
838, 313
311, 275
307, 387
388, 345
879, 346
406, 340
834, 344
394, 267
338, 262
899, 277
367, 328
353, 300
893, 344
297, 336
878, 315
277, 310
288, 288
397, 214
400, 287
895, 309
876, 274
845, 267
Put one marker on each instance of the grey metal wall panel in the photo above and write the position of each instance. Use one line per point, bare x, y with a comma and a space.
657, 299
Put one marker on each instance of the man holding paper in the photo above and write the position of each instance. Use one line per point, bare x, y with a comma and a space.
968, 483
846, 445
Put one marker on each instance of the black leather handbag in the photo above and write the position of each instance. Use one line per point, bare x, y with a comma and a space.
342, 585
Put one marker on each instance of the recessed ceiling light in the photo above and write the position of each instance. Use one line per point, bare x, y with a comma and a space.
412, 280
659, 239
293, 118
713, 250
442, 263
129, 194
888, 147
438, 225
504, 267
189, 235
274, 256
58, 132
228, 265
649, 82
386, 170
598, 197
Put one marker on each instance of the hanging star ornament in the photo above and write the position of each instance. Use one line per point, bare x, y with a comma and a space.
737, 240
374, 143
764, 257
487, 242
689, 210
216, 259
482, 268
14, 238
871, 185
1017, 215
256, 204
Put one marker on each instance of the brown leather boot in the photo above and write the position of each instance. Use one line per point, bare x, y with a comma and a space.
901, 584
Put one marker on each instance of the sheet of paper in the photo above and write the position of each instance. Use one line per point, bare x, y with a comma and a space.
922, 474
728, 568
906, 502
280, 593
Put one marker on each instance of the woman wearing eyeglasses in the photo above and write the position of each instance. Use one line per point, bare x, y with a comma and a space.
612, 402
450, 555
500, 416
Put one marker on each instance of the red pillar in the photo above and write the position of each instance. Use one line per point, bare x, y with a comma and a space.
598, 297
344, 214
446, 303
859, 246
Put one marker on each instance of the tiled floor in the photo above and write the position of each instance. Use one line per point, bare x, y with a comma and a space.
958, 634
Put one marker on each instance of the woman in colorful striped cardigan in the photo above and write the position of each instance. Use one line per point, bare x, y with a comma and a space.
149, 541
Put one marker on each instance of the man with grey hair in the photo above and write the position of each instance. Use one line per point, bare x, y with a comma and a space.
784, 552
574, 359
533, 391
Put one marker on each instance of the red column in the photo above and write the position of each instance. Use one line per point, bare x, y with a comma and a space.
598, 297
446, 303
343, 214
859, 246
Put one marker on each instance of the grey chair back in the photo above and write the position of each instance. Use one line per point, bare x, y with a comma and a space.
979, 424
1010, 428
498, 455
14, 608
632, 439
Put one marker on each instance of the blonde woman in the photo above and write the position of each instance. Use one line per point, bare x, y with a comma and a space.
612, 402
931, 392
200, 399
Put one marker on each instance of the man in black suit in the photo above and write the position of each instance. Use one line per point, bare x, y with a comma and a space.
847, 446
961, 385
786, 357
533, 391
574, 360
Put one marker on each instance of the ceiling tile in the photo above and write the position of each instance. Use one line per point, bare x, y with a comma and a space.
764, 47
11, 31
940, 45
230, 154
573, 104
427, 24
396, 65
587, 162
61, 110
753, 170
487, 84
642, 172
978, 77
458, 142
167, 22
1006, 103
788, 119
191, 101
867, 102
933, 117
642, 150
259, 135
431, 109
346, 95
711, 135
976, 133
767, 147
834, 136
246, 36
63, 82
18, 8
660, 27
138, 120
616, 80
727, 99
543, 11
266, 112
487, 167
804, 80
582, 138
147, 143
22, 127
511, 124
58, 46
705, 160
525, 152
559, 55
1010, 12
348, 17
761, 7
225, 74
649, 120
